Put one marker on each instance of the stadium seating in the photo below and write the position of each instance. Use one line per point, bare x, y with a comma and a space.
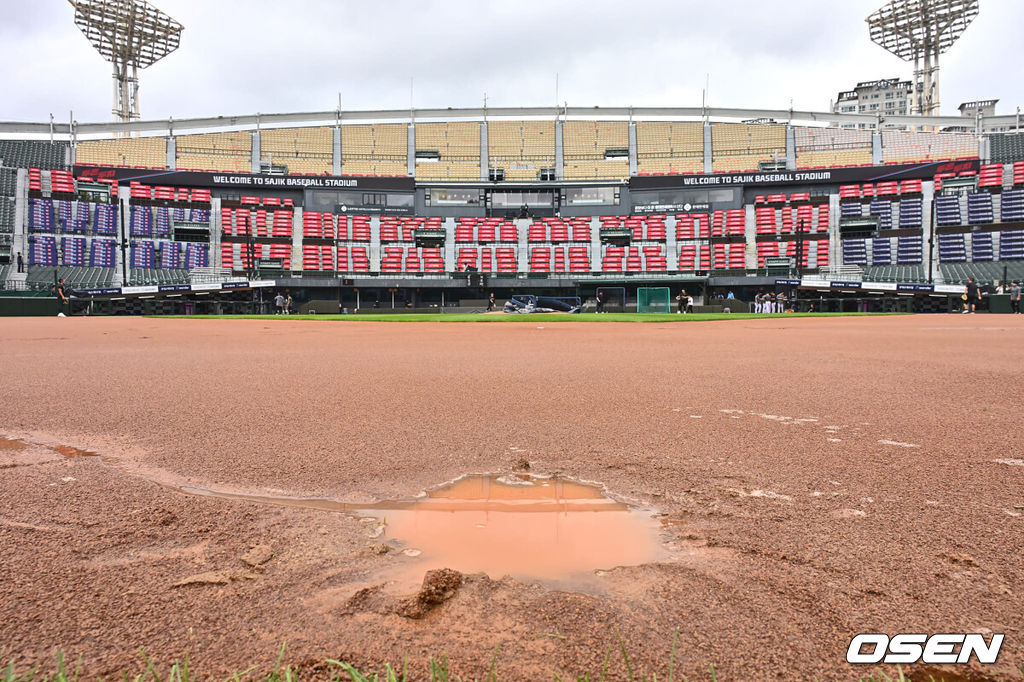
458, 147
881, 251
215, 151
374, 149
1011, 206
521, 148
670, 147
823, 147
905, 146
149, 152
303, 150
742, 146
584, 145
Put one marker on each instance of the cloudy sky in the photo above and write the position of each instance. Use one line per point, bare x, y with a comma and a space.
245, 56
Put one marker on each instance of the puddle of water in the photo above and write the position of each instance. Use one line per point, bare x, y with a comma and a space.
546, 529
12, 444
528, 527
69, 452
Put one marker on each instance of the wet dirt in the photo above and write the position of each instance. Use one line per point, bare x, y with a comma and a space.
792, 524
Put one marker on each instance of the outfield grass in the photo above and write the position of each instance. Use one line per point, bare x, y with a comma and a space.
535, 318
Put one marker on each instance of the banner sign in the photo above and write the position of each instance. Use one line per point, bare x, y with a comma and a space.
109, 291
895, 172
242, 181
170, 288
874, 286
950, 288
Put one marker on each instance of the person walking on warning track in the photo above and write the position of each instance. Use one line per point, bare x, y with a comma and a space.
681, 298
1015, 298
600, 301
490, 302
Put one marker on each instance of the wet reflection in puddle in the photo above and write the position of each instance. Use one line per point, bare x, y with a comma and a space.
548, 529
528, 527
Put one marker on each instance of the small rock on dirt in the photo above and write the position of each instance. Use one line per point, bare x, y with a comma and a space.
258, 555
439, 586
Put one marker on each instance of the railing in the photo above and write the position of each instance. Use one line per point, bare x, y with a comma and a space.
842, 272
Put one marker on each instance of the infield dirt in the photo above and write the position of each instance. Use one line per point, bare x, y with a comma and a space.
815, 478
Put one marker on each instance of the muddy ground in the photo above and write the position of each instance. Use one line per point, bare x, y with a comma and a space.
816, 478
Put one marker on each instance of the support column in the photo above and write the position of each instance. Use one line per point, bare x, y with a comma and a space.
336, 151
595, 245
790, 148
374, 252
485, 160
172, 153
559, 151
672, 255
835, 242
708, 149
19, 240
876, 148
930, 239
522, 253
296, 263
255, 157
410, 158
634, 165
750, 237
449, 244
122, 262
216, 230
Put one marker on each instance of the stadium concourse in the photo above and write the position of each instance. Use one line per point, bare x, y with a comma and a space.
355, 209
811, 479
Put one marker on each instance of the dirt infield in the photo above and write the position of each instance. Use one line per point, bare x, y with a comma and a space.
817, 478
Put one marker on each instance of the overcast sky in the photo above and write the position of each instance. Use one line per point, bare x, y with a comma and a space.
269, 56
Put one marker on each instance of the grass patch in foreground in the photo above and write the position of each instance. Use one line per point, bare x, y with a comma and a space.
437, 671
534, 318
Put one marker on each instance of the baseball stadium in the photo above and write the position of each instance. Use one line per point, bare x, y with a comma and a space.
514, 393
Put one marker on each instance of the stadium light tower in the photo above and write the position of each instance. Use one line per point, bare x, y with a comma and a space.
131, 34
919, 31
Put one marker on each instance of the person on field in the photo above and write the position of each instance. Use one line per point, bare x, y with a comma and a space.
600, 301
62, 298
973, 294
491, 303
681, 298
1015, 298
288, 304
689, 304
279, 304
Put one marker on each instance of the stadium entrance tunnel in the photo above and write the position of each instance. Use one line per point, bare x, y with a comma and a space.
530, 527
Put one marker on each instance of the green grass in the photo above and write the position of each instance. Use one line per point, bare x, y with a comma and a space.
540, 318
436, 669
